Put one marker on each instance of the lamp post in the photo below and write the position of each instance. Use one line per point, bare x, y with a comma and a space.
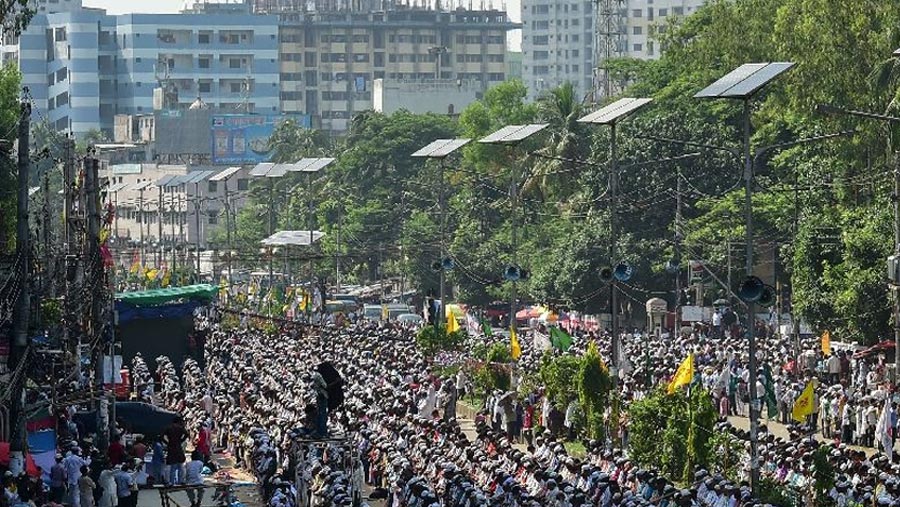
610, 116
440, 150
753, 163
511, 136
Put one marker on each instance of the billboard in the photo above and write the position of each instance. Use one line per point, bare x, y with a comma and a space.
242, 138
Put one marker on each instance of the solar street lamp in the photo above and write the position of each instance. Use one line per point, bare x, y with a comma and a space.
440, 150
610, 116
511, 136
742, 84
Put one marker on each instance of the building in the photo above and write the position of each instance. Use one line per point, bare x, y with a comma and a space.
558, 38
167, 216
84, 67
330, 59
52, 6
445, 96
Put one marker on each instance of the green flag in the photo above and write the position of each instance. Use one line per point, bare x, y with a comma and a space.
560, 339
771, 401
486, 327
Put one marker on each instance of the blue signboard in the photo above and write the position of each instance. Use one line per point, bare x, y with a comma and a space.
242, 138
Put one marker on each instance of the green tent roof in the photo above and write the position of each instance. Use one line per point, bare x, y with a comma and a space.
203, 292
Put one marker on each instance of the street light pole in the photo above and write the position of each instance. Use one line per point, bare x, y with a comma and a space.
751, 320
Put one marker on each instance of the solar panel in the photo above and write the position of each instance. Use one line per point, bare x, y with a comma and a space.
225, 174
261, 169
744, 81
613, 112
33, 190
431, 148
293, 238
201, 176
162, 182
318, 165
178, 180
729, 80
759, 79
449, 148
301, 164
525, 132
500, 135
142, 185
277, 171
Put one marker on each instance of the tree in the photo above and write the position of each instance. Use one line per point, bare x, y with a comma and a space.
10, 80
672, 432
593, 390
559, 374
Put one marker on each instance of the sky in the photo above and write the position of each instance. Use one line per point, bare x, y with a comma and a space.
154, 6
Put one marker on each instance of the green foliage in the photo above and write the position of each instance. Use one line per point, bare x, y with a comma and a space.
672, 432
593, 385
774, 492
432, 340
10, 79
726, 454
819, 209
824, 476
559, 373
493, 373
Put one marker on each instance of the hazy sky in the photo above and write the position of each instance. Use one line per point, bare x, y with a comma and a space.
149, 6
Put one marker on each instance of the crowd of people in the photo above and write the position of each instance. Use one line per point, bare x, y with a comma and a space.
260, 396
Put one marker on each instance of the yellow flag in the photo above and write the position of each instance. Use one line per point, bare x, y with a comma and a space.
452, 324
166, 279
803, 406
683, 376
515, 349
135, 268
826, 343
151, 275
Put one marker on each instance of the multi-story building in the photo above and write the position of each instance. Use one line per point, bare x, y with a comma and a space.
170, 215
83, 67
329, 60
51, 6
559, 38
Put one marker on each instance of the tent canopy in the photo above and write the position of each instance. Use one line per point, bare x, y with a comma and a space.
293, 238
204, 292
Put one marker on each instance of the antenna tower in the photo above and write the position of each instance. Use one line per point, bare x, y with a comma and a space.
609, 42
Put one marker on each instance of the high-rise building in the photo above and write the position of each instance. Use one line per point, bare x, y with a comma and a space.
318, 58
330, 59
559, 38
84, 67
53, 6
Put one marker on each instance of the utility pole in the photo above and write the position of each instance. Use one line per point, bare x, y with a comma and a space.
678, 238
197, 222
70, 234
160, 211
228, 233
95, 273
141, 221
337, 254
21, 312
48, 285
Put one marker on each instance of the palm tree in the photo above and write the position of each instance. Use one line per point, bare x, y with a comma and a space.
561, 108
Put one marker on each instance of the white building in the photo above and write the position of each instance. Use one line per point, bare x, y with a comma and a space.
445, 96
558, 38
